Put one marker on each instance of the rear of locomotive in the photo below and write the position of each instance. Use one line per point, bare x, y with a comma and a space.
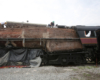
58, 45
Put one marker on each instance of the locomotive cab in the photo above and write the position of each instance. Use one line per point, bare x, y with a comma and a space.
87, 36
90, 38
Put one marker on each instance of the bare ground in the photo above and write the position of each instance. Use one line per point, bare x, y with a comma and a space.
87, 72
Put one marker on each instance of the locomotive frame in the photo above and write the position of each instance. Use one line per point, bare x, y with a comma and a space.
89, 53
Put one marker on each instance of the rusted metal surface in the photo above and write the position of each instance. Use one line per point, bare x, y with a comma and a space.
10, 33
37, 33
34, 44
47, 38
63, 45
62, 33
50, 33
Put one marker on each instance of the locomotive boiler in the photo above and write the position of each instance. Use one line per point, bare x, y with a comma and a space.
38, 44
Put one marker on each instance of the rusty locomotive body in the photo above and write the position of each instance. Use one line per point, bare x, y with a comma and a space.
58, 45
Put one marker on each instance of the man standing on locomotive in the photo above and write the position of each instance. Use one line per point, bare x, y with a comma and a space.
51, 24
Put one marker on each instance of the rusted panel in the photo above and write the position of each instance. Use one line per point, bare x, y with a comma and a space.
62, 33
63, 45
42, 32
18, 43
35, 32
10, 33
50, 33
33, 44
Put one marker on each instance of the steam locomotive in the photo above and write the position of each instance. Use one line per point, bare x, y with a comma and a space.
39, 44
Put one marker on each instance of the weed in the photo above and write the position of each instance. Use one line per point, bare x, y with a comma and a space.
74, 78
81, 67
86, 74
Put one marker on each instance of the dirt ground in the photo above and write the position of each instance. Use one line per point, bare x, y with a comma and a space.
86, 72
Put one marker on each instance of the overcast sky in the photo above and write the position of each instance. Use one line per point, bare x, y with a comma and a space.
63, 12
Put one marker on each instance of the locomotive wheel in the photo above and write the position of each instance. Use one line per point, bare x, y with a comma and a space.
88, 59
64, 61
36, 62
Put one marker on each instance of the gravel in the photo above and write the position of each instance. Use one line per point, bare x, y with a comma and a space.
52, 73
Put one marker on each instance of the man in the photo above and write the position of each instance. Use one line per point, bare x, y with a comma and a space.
52, 24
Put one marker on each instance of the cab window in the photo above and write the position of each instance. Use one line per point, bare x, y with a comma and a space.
89, 33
